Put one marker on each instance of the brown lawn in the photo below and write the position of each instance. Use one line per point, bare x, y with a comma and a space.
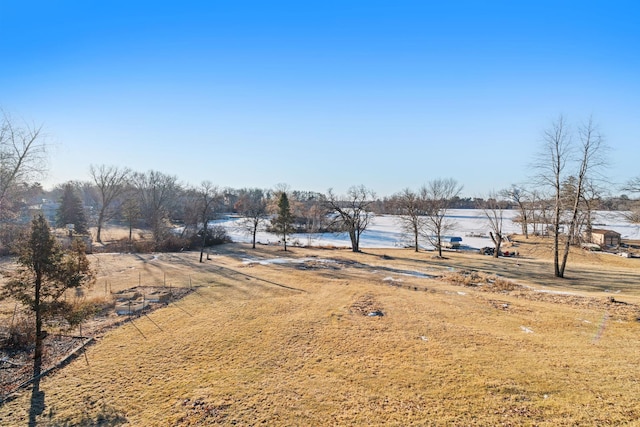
467, 340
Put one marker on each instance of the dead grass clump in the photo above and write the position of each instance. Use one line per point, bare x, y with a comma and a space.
144, 246
489, 282
20, 333
199, 412
465, 278
122, 245
501, 284
365, 304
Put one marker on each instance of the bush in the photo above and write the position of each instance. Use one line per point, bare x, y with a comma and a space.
173, 244
21, 333
83, 309
143, 246
215, 236
10, 234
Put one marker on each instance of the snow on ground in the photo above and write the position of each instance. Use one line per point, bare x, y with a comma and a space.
385, 231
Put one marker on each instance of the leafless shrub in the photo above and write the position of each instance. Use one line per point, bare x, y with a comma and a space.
477, 278
20, 333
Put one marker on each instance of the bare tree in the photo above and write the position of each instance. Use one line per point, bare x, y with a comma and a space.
207, 197
559, 152
537, 213
551, 167
111, 183
591, 200
438, 195
493, 210
521, 197
22, 159
157, 193
130, 211
252, 205
633, 186
411, 209
352, 212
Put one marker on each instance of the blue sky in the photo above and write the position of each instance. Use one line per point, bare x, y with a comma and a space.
320, 94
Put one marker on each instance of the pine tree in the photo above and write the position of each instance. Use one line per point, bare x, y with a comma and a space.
284, 219
43, 275
71, 210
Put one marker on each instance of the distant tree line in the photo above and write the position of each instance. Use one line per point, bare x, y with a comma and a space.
563, 193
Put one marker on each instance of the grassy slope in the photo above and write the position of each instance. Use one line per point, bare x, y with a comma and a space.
281, 345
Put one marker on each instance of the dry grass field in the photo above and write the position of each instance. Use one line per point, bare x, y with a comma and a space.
284, 338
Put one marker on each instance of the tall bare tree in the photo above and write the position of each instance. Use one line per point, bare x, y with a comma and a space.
111, 183
207, 196
493, 210
560, 159
252, 205
130, 212
438, 195
22, 160
157, 193
633, 186
521, 197
352, 212
551, 165
411, 207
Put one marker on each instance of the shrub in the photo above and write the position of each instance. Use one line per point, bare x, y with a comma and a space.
21, 333
10, 234
216, 235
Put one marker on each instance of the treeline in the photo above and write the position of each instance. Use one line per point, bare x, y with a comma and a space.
178, 215
160, 203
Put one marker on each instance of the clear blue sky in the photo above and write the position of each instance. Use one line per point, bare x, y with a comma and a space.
319, 94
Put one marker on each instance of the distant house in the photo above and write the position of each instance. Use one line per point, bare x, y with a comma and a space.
604, 237
46, 207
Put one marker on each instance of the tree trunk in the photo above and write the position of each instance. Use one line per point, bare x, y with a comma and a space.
37, 356
204, 239
355, 247
37, 397
556, 249
253, 239
100, 220
284, 237
525, 224
497, 242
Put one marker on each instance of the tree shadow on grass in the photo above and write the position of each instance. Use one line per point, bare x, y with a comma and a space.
106, 417
37, 402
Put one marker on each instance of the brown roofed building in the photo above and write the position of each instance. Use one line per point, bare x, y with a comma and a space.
604, 237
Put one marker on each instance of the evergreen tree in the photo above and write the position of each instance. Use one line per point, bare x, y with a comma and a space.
71, 210
43, 275
284, 218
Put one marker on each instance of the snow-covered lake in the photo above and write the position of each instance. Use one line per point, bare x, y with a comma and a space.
385, 230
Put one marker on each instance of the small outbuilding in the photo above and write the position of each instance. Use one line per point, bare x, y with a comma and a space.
604, 237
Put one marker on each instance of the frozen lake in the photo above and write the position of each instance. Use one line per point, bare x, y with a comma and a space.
385, 230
